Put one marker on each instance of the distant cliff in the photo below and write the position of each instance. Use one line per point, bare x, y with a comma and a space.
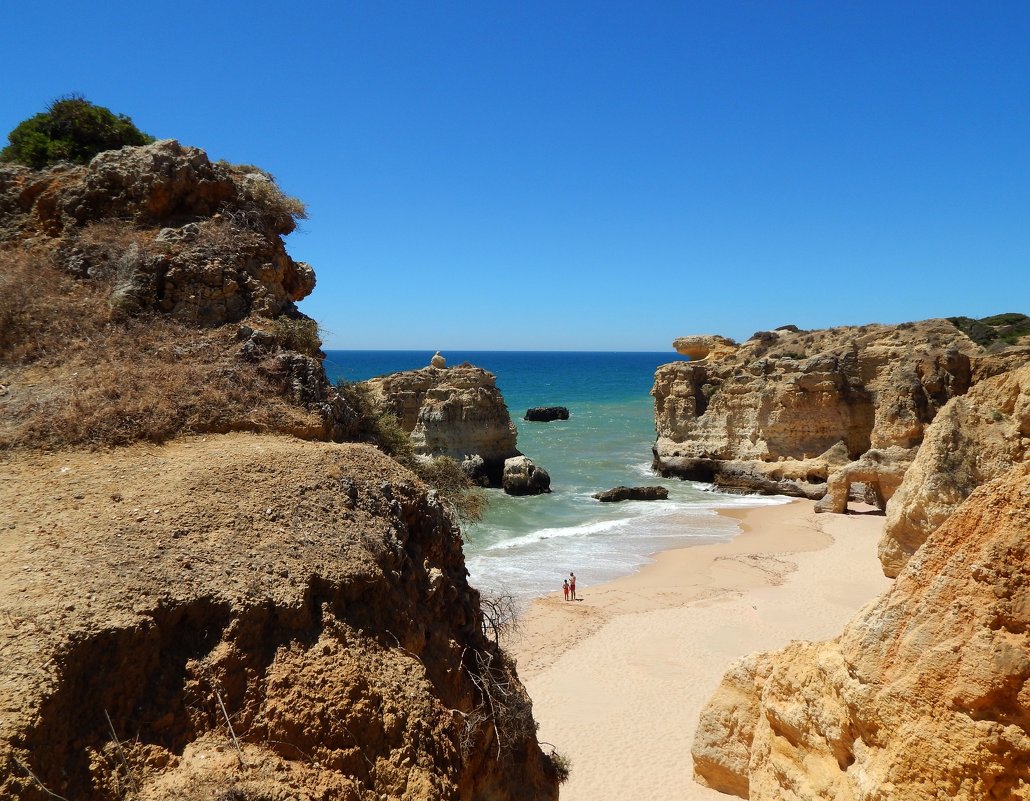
785, 409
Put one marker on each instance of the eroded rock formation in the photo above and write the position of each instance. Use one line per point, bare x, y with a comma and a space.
160, 228
314, 595
456, 412
925, 694
704, 346
783, 410
974, 438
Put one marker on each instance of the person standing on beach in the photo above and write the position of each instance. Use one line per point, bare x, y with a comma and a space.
572, 585
565, 588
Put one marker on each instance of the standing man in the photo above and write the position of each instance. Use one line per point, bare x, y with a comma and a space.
572, 585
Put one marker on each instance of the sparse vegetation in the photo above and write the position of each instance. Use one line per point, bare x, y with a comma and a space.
75, 375
71, 129
561, 764
298, 333
1005, 328
264, 203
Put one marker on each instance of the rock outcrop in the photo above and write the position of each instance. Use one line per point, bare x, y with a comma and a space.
974, 439
315, 595
546, 414
522, 477
201, 241
456, 412
618, 494
162, 229
787, 407
924, 696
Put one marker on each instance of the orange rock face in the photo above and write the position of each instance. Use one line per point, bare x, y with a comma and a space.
924, 695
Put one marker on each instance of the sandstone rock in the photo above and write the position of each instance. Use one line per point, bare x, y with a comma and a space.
879, 471
318, 591
522, 477
457, 412
632, 494
438, 361
704, 346
785, 398
922, 697
546, 414
975, 438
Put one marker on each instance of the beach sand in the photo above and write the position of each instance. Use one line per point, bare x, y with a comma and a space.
618, 678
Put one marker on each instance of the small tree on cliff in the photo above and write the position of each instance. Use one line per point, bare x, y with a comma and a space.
71, 129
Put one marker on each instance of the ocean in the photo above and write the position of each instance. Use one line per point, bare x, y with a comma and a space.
527, 545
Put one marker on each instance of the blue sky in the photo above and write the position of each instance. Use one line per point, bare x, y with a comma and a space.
591, 175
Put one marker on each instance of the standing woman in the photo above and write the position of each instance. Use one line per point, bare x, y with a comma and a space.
565, 588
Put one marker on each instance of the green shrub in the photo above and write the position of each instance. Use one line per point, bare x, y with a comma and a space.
71, 129
297, 333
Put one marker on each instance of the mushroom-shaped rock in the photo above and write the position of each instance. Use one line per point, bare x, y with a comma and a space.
438, 360
703, 346
522, 477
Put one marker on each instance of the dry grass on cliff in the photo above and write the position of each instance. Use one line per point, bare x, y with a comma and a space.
72, 375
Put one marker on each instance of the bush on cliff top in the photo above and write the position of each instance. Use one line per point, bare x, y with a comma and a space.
71, 129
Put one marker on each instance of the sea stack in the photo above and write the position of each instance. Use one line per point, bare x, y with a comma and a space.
458, 412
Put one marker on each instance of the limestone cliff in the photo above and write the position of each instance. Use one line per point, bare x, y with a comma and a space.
924, 695
974, 438
453, 411
784, 409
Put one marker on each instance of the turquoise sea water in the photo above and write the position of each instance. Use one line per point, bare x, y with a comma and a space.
527, 545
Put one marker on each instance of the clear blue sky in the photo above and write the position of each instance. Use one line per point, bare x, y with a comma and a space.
590, 175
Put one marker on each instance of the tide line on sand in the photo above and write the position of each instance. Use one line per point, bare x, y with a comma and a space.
618, 679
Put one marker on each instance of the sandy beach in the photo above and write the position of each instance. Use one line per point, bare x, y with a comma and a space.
618, 678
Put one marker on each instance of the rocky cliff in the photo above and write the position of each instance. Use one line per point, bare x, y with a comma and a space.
234, 616
924, 695
452, 411
975, 438
785, 409
108, 264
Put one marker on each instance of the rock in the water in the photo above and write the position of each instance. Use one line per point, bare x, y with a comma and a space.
458, 412
632, 494
545, 414
924, 696
522, 477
